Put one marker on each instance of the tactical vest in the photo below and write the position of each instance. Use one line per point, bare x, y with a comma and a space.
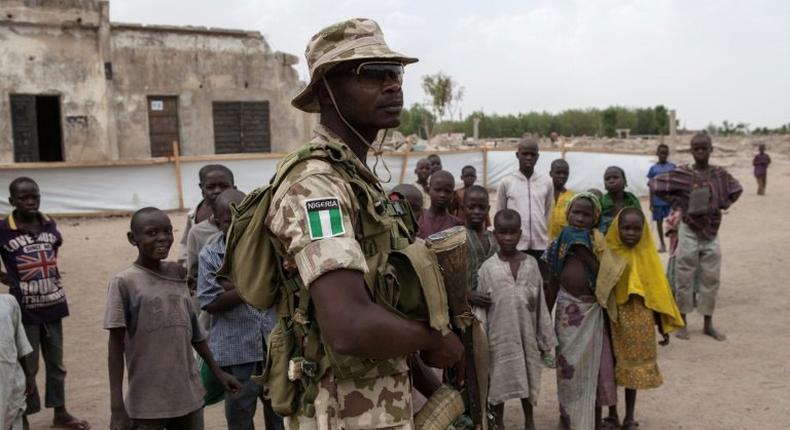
402, 277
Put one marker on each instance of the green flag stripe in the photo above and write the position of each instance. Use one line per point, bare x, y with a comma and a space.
337, 222
315, 224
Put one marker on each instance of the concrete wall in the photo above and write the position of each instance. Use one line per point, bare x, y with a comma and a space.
199, 67
60, 47
56, 56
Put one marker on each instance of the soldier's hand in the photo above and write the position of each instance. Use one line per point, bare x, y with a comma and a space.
447, 352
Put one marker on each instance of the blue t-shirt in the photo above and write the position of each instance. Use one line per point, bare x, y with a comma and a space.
31, 262
656, 170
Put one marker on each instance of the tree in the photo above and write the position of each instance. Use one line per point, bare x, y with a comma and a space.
417, 120
444, 95
609, 121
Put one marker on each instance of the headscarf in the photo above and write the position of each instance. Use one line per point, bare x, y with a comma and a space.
607, 208
644, 276
589, 196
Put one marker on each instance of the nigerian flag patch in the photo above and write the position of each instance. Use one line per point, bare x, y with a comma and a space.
324, 218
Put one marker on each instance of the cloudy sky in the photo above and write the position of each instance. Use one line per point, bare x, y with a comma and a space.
711, 60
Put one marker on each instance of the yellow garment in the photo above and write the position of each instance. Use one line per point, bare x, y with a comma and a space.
559, 215
644, 276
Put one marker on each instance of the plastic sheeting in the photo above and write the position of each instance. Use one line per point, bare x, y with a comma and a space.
83, 190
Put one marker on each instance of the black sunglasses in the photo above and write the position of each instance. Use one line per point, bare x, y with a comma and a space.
376, 72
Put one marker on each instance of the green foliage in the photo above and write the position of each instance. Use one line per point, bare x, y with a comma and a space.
444, 94
417, 120
572, 122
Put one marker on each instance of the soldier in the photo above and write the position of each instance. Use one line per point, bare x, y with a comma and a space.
334, 239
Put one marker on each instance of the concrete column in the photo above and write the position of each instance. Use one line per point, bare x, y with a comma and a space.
673, 132
476, 128
105, 53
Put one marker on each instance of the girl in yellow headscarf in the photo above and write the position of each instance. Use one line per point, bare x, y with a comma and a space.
643, 299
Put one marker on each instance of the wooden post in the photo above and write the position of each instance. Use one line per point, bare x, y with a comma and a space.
562, 147
179, 182
485, 167
403, 167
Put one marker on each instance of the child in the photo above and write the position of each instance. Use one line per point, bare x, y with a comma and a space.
237, 332
643, 298
480, 243
658, 207
16, 375
214, 179
436, 163
616, 197
761, 162
436, 218
583, 272
29, 244
518, 323
560, 170
153, 327
423, 172
468, 178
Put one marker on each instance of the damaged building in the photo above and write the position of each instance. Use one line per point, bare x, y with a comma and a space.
76, 87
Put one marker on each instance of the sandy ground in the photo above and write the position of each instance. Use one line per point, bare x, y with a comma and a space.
743, 383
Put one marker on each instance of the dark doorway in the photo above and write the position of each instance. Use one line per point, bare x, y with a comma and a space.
50, 139
163, 124
36, 125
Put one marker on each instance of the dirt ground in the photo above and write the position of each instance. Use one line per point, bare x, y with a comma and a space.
743, 383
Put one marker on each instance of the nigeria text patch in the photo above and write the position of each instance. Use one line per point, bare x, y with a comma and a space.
324, 218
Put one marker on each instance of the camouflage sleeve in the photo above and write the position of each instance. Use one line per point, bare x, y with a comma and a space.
312, 215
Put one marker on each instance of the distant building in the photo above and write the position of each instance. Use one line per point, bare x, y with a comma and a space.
75, 87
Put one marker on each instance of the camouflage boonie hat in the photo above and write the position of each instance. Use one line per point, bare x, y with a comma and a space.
355, 39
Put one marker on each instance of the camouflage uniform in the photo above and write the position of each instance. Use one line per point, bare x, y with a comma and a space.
316, 245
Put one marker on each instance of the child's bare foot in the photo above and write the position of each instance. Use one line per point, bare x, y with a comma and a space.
662, 250
712, 332
630, 425
683, 334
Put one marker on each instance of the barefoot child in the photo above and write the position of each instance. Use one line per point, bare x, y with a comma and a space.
616, 197
153, 329
437, 218
15, 374
560, 170
29, 245
644, 300
518, 323
660, 208
583, 272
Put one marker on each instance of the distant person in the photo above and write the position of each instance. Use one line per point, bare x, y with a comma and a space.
213, 179
237, 331
560, 170
644, 302
437, 217
15, 373
517, 321
468, 179
596, 192
412, 195
616, 198
582, 269
423, 172
531, 194
480, 243
436, 163
701, 191
761, 162
29, 246
659, 208
153, 329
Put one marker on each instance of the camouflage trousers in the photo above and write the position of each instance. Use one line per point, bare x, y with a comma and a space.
365, 403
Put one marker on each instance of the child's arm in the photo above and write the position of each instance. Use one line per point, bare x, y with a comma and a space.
229, 383
30, 379
119, 419
225, 302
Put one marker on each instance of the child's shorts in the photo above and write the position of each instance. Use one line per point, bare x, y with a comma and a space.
661, 211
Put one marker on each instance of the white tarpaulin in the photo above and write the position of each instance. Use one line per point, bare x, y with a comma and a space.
76, 190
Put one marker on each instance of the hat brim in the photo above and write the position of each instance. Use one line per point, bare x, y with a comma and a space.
307, 99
